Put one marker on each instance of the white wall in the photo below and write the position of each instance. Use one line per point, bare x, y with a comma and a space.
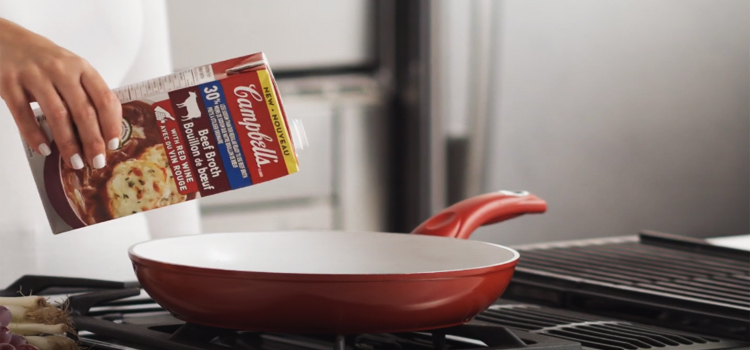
340, 178
623, 115
294, 34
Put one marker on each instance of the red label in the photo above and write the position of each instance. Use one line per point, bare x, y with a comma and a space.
252, 122
200, 142
175, 148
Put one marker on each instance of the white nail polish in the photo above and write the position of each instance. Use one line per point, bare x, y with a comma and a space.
76, 161
44, 149
99, 162
113, 144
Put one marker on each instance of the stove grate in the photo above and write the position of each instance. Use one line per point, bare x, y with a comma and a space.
591, 331
654, 278
650, 269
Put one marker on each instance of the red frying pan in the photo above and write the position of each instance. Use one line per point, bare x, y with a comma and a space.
337, 282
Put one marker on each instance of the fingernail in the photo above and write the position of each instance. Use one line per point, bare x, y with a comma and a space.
99, 162
113, 144
76, 161
44, 149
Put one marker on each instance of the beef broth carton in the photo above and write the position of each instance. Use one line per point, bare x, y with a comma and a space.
195, 133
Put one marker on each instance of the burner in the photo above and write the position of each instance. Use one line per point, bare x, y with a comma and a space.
120, 316
141, 326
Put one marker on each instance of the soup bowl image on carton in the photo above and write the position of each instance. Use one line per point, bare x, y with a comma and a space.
191, 134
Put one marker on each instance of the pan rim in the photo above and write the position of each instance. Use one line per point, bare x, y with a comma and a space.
318, 278
265, 275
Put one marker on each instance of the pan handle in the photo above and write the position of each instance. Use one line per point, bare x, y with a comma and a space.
461, 219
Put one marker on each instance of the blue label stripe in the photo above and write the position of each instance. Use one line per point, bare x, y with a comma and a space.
234, 136
235, 166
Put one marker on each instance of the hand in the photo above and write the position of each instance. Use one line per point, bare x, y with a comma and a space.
81, 110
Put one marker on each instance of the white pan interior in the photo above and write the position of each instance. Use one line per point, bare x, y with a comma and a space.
311, 252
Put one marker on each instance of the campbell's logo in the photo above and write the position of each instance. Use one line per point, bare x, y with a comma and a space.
262, 153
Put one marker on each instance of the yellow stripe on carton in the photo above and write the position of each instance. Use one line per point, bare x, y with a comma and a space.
277, 120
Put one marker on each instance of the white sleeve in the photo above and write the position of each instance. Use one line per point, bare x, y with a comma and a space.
153, 60
154, 57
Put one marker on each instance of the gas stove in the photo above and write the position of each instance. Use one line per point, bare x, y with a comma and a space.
656, 278
546, 307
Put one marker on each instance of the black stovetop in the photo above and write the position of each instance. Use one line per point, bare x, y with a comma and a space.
548, 306
505, 325
656, 278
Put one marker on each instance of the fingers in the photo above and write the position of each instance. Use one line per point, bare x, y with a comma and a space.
59, 121
107, 105
82, 113
84, 116
18, 104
